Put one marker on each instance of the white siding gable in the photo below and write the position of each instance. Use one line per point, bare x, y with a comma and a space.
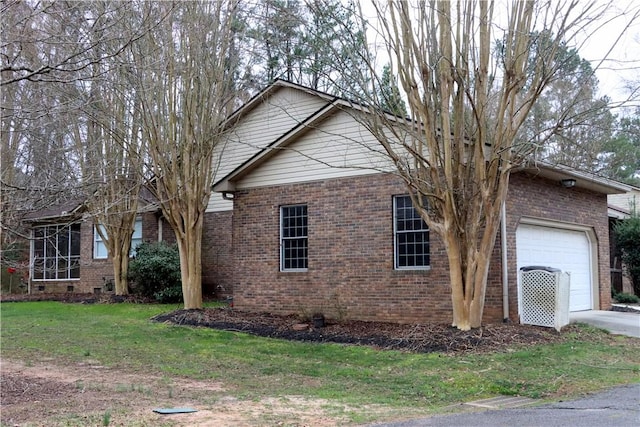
338, 147
275, 116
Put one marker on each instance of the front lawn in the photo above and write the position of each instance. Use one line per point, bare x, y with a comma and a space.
122, 337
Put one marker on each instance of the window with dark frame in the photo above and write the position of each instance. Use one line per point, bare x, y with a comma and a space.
56, 252
293, 238
411, 236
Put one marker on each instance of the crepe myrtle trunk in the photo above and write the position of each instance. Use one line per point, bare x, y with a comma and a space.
190, 249
120, 271
469, 262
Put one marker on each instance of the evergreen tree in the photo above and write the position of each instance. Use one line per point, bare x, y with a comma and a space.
621, 154
569, 124
389, 93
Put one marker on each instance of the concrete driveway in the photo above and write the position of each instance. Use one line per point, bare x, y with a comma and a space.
620, 323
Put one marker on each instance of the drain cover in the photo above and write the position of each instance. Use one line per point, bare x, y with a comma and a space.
502, 402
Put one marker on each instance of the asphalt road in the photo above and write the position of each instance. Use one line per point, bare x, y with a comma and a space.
617, 407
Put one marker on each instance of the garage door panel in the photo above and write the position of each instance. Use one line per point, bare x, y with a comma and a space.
567, 250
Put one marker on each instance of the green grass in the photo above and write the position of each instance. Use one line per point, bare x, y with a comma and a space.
122, 336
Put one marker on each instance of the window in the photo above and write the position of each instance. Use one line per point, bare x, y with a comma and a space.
293, 238
411, 243
56, 252
100, 249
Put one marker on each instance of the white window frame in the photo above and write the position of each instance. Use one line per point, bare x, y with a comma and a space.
284, 239
397, 233
52, 263
100, 250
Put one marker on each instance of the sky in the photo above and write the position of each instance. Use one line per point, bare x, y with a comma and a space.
622, 66
615, 57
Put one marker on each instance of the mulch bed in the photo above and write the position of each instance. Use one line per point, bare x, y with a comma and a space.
420, 338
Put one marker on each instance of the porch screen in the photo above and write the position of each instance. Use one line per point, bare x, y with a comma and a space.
56, 252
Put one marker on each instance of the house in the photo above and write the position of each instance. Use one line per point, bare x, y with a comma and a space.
67, 254
305, 217
620, 207
315, 223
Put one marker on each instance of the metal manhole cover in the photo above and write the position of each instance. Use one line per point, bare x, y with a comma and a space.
502, 402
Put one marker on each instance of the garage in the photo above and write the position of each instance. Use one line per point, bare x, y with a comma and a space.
566, 249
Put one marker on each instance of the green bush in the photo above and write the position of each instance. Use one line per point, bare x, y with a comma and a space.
623, 298
627, 234
169, 295
155, 271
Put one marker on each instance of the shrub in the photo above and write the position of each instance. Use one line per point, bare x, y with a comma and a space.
155, 271
623, 298
169, 295
627, 237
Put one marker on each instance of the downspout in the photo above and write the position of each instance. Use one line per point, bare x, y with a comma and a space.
505, 269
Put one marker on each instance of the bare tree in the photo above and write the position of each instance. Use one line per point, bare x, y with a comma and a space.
457, 150
185, 77
49, 42
69, 120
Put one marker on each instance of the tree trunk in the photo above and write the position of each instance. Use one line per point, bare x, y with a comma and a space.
189, 246
469, 261
120, 270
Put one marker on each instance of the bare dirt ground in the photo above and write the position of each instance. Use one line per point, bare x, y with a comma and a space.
47, 394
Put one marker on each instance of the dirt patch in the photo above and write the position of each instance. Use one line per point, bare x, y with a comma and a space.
420, 338
89, 394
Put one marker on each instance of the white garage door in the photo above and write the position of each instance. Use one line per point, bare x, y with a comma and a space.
567, 250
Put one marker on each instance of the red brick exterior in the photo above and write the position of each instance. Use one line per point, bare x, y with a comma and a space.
350, 272
217, 256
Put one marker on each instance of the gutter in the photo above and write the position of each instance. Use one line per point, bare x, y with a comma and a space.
505, 269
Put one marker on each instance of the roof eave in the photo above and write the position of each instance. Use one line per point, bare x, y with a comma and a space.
583, 180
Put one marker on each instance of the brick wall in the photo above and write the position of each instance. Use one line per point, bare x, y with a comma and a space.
536, 197
217, 257
350, 272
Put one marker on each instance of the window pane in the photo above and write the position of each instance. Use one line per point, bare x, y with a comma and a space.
63, 268
412, 235
74, 268
63, 241
50, 268
294, 237
136, 238
137, 229
38, 242
100, 250
75, 240
38, 268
